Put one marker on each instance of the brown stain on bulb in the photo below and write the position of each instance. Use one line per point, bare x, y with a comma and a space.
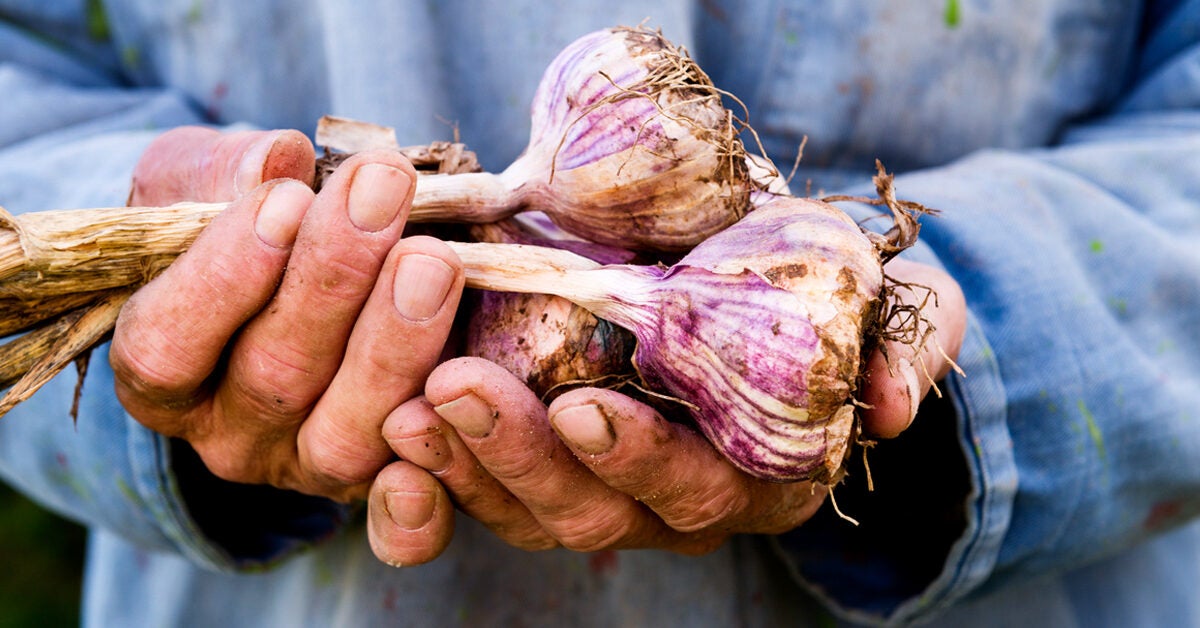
847, 285
830, 380
786, 272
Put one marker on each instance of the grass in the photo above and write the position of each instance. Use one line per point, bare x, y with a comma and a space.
42, 555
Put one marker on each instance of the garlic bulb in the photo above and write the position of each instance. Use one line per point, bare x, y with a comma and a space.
548, 342
758, 330
630, 146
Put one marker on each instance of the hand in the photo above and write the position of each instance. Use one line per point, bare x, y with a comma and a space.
598, 470
279, 342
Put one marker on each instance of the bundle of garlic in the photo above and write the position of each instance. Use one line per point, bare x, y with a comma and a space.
552, 344
758, 329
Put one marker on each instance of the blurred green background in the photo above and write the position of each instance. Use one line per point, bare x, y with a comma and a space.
41, 558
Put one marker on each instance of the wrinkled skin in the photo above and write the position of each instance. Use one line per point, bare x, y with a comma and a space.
320, 384
280, 341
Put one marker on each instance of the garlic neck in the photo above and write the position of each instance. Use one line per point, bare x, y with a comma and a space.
472, 197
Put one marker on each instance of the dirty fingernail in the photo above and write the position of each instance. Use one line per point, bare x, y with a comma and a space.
429, 450
410, 510
586, 428
421, 286
280, 214
377, 193
469, 415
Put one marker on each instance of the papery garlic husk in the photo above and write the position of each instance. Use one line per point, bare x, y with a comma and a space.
630, 146
792, 371
547, 341
758, 331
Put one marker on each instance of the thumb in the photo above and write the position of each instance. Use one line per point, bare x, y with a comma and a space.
204, 165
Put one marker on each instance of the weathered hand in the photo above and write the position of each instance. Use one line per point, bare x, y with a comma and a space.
598, 470
280, 341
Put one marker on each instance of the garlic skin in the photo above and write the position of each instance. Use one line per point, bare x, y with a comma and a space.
548, 342
785, 324
630, 146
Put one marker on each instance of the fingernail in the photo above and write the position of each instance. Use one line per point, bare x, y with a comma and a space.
469, 415
429, 450
410, 510
249, 174
585, 428
376, 194
421, 285
279, 215
913, 386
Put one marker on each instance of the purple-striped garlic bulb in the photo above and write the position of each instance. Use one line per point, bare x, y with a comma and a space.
758, 330
630, 146
548, 342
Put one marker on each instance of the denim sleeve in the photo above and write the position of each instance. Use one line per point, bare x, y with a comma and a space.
73, 132
1076, 422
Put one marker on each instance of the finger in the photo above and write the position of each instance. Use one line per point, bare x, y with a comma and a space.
417, 434
504, 424
410, 519
286, 356
396, 342
201, 164
900, 375
164, 347
674, 470
892, 393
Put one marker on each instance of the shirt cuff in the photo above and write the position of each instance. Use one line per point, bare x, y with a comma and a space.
223, 525
931, 530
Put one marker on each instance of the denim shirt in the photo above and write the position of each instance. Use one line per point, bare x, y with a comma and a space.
1055, 483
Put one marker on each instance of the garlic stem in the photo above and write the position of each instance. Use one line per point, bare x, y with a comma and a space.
617, 293
473, 197
58, 252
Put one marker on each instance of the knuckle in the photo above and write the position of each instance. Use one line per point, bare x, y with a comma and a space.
589, 532
331, 471
333, 463
408, 363
588, 540
181, 164
703, 512
151, 368
225, 277
140, 372
524, 534
337, 276
232, 460
515, 462
232, 470
539, 542
274, 384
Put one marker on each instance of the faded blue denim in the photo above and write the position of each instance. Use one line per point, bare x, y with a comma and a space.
1059, 138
